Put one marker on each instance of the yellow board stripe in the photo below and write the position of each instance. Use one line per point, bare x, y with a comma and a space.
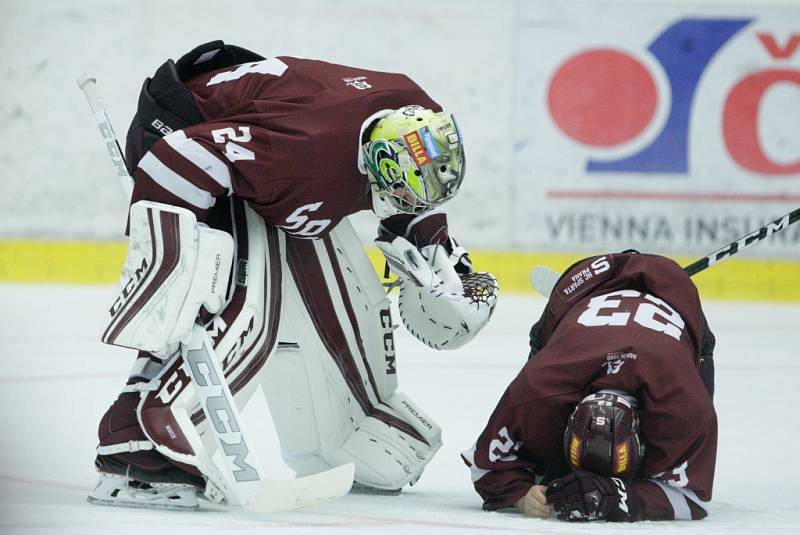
101, 263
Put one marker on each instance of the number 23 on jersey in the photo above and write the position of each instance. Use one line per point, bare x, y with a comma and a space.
653, 313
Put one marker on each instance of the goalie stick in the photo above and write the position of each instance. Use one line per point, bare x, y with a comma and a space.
88, 85
543, 279
245, 484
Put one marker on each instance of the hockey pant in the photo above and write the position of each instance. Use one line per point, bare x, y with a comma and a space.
309, 321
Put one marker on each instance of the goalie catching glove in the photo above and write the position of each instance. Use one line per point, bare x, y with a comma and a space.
441, 308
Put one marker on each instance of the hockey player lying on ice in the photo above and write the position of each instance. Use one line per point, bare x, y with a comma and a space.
274, 154
611, 418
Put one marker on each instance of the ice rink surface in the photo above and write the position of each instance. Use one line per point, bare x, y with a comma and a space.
57, 379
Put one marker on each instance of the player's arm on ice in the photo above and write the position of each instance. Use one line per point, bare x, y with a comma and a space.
503, 472
682, 492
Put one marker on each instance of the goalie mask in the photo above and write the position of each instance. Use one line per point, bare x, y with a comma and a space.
602, 436
414, 159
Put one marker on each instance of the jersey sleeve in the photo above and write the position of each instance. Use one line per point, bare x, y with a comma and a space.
193, 167
502, 470
682, 492
425, 229
429, 228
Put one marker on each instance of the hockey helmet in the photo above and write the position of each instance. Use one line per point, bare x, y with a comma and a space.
602, 436
415, 160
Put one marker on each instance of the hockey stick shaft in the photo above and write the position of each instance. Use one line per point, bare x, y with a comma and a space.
745, 241
88, 84
241, 468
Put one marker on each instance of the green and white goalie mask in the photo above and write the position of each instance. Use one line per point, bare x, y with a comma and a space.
414, 159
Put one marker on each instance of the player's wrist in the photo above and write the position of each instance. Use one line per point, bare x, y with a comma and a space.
534, 503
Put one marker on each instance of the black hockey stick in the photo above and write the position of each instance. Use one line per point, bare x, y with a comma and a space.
745, 241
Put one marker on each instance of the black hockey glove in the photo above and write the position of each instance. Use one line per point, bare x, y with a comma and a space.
583, 496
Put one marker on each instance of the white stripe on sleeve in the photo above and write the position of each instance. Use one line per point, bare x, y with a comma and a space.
201, 157
677, 500
175, 183
476, 472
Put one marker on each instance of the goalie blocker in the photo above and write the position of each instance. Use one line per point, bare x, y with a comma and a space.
174, 266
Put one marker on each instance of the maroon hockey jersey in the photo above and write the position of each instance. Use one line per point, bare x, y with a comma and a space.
627, 322
282, 134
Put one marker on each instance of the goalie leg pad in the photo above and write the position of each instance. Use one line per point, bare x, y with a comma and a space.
121, 436
165, 416
173, 267
121, 440
386, 457
340, 372
370, 306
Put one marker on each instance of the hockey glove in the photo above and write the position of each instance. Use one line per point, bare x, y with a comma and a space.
583, 496
441, 308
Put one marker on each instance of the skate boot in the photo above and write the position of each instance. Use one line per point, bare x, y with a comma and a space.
123, 485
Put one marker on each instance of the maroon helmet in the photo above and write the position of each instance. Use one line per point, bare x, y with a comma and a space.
602, 436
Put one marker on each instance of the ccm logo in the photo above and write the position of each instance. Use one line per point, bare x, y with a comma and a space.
388, 341
127, 290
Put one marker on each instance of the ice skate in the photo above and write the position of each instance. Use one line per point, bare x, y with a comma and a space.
122, 485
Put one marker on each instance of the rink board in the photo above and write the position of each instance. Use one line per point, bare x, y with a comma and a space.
741, 279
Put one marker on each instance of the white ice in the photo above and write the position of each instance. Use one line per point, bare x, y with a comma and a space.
57, 379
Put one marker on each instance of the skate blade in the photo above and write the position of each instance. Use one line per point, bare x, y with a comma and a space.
141, 505
365, 489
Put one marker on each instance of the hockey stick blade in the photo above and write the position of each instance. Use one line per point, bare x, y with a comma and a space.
276, 496
544, 279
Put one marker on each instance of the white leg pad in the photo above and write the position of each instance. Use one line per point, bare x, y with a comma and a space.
324, 419
371, 306
385, 457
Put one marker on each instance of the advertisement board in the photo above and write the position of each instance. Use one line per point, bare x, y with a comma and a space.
660, 127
